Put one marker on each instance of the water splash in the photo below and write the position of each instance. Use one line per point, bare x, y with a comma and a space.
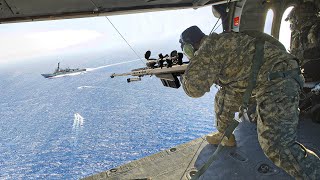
77, 122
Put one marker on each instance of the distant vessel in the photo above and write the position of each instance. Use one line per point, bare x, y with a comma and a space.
59, 71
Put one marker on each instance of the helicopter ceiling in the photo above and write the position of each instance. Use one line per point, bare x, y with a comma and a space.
37, 10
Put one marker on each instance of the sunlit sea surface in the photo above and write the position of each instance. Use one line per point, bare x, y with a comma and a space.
77, 125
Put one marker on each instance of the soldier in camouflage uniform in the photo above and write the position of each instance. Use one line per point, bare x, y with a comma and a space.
226, 60
305, 26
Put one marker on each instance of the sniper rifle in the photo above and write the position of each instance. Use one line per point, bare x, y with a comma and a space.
167, 68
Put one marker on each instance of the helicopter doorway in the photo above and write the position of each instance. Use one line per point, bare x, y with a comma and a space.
285, 31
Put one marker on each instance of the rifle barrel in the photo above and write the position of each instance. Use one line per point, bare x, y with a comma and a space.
176, 69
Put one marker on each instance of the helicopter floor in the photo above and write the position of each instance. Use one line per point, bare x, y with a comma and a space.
246, 161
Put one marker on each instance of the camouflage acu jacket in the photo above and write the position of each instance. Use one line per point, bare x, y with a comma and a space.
226, 59
306, 38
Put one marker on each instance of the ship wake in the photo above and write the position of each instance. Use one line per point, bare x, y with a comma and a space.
109, 65
92, 69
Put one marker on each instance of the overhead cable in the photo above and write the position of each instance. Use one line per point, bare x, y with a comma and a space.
125, 40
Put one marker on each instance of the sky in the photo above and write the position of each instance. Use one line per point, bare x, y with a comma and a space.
285, 32
20, 41
33, 39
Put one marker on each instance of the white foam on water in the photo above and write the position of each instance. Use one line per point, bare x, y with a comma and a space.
85, 87
115, 64
71, 74
91, 87
77, 121
92, 69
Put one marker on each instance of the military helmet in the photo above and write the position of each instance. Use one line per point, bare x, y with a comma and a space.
189, 39
291, 15
191, 35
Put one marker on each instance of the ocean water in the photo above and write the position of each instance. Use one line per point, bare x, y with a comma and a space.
77, 125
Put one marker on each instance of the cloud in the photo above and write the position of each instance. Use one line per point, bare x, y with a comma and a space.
28, 40
63, 38
35, 44
152, 26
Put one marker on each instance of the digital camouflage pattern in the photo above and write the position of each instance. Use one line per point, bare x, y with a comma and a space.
226, 60
305, 26
225, 114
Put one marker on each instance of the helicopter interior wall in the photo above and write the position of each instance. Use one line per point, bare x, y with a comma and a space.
35, 10
254, 13
253, 16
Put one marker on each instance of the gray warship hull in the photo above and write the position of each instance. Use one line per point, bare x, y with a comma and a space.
70, 71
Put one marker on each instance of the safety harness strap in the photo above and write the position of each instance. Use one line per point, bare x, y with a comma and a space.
256, 64
284, 74
293, 73
220, 147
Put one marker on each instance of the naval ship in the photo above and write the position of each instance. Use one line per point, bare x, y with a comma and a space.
59, 71
246, 160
